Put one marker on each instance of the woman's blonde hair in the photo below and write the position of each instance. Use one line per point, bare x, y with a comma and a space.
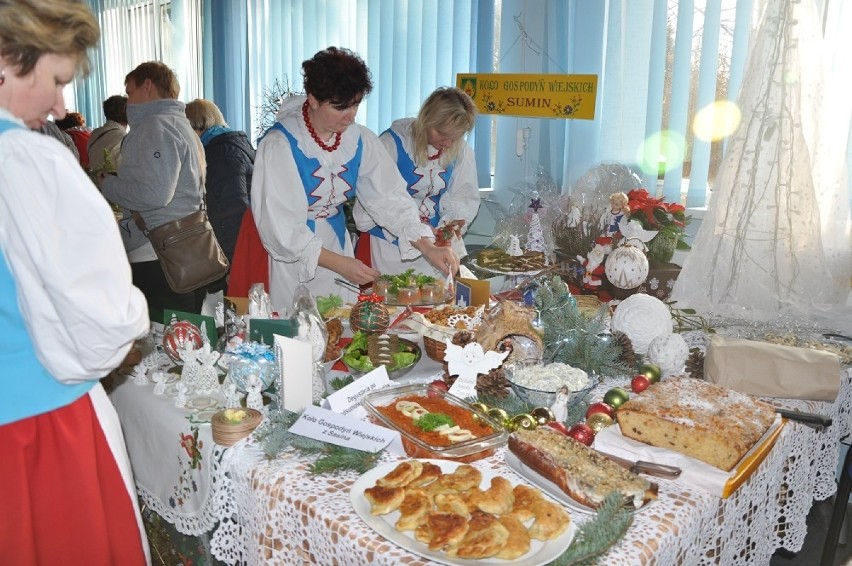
32, 28
204, 114
451, 112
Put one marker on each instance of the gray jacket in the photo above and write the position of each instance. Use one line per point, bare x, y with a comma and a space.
160, 175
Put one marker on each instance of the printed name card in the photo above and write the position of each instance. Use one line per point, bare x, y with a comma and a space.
347, 401
327, 426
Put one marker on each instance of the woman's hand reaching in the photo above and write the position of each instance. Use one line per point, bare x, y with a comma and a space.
351, 269
442, 258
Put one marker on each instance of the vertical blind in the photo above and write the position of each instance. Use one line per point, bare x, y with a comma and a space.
658, 63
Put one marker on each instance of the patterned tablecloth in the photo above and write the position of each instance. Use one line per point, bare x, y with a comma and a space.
273, 512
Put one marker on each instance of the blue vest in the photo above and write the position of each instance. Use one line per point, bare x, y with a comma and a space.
407, 169
26, 388
307, 166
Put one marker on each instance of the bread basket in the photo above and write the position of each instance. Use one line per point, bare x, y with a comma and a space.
435, 349
227, 432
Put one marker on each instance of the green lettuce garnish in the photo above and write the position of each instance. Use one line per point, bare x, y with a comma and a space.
431, 421
327, 302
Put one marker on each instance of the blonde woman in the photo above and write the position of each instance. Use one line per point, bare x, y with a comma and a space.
440, 173
70, 313
230, 165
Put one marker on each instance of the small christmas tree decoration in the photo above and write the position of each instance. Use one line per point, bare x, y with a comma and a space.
369, 315
535, 236
490, 384
514, 247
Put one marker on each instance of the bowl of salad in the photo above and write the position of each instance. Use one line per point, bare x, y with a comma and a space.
404, 356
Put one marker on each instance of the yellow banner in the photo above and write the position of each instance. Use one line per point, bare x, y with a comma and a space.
535, 96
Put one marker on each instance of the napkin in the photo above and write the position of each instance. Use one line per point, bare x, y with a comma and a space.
695, 473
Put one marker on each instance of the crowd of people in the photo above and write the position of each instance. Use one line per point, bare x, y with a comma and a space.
73, 305
285, 223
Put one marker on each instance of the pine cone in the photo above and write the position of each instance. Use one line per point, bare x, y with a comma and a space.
493, 383
695, 364
627, 356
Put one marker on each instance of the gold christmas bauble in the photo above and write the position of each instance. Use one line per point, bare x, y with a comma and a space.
599, 421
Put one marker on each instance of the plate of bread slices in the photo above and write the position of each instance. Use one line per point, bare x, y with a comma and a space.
455, 513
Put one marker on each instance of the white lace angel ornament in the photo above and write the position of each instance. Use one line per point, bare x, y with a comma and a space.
208, 375
140, 376
233, 398
181, 397
254, 400
190, 372
160, 380
467, 363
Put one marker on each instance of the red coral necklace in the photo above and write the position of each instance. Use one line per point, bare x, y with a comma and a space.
314, 135
437, 155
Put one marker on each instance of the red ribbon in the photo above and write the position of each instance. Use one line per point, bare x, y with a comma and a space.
371, 298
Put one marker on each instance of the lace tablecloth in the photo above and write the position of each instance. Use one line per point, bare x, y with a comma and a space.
274, 512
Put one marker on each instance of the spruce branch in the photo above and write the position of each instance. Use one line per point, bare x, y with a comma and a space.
597, 535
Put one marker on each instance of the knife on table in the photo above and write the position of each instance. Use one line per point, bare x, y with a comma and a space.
805, 418
648, 468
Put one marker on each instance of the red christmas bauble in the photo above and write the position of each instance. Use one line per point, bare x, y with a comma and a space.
639, 383
582, 433
556, 425
600, 407
177, 335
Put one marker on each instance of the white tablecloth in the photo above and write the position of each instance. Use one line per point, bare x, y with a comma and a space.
272, 511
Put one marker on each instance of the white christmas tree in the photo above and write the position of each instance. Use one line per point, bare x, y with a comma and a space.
535, 237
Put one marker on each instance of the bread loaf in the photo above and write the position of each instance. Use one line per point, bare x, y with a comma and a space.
708, 422
584, 474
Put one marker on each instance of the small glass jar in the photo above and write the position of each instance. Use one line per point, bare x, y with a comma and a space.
381, 287
408, 295
432, 293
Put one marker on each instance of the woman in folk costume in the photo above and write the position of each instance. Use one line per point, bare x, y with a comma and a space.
308, 165
68, 313
440, 172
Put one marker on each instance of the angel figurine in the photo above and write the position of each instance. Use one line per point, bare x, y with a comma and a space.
559, 408
190, 372
208, 375
160, 382
253, 386
233, 398
181, 397
140, 375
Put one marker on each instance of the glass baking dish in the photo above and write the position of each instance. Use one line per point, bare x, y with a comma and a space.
418, 447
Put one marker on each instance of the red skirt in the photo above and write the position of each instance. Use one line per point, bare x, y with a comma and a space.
251, 262
64, 499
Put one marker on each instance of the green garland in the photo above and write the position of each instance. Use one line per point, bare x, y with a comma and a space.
570, 337
274, 436
596, 536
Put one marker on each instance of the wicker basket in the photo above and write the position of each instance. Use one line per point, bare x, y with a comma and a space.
226, 433
435, 349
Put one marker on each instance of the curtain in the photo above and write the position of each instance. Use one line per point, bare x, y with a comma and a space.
411, 48
135, 31
776, 237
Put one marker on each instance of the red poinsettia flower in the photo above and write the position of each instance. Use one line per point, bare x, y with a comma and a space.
653, 213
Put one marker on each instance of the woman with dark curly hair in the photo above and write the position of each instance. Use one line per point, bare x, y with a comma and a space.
308, 165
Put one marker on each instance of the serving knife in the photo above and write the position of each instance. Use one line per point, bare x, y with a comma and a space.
805, 418
648, 468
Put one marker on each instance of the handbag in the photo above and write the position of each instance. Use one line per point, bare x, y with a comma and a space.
188, 251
